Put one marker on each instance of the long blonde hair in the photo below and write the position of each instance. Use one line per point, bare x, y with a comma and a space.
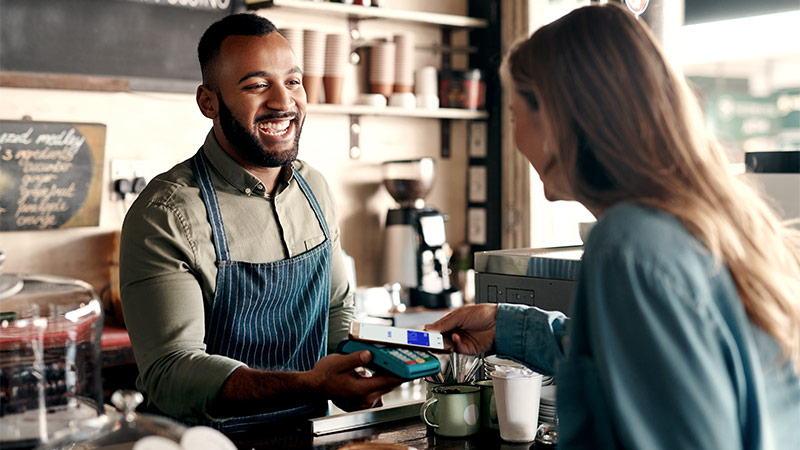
626, 127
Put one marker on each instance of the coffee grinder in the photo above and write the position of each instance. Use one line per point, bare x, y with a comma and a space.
416, 253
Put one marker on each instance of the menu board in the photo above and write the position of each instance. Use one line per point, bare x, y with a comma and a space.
50, 174
152, 43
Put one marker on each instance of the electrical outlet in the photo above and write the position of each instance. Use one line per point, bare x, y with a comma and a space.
476, 226
477, 184
132, 168
477, 139
129, 170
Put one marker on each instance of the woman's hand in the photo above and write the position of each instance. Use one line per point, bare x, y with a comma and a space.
472, 327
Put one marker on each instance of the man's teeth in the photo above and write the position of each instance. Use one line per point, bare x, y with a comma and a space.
275, 128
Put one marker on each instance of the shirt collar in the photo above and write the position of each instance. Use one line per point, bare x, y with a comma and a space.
236, 175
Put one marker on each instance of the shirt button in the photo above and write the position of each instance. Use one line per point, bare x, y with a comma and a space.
247, 190
260, 186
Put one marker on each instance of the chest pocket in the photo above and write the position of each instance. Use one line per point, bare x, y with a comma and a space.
313, 242
584, 415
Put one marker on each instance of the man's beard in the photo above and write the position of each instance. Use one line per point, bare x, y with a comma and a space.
247, 145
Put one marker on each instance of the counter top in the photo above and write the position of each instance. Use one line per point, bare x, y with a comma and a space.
559, 263
410, 432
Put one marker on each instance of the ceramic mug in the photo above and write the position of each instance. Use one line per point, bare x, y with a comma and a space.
488, 405
455, 410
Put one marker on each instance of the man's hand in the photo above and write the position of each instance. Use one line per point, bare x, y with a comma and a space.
472, 327
335, 377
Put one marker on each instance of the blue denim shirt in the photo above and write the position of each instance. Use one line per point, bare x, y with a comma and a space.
658, 352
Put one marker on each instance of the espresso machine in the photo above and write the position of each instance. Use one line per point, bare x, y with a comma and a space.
416, 253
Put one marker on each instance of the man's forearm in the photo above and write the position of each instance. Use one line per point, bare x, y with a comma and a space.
250, 391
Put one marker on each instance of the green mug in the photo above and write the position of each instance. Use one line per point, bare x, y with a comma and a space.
488, 406
455, 410
430, 386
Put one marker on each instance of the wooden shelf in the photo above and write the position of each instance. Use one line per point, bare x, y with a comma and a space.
366, 12
362, 110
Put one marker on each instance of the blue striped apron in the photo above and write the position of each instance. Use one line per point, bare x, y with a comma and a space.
271, 316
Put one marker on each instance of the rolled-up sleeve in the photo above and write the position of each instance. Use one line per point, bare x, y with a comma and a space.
163, 307
531, 336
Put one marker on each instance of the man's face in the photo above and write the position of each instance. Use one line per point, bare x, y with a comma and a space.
261, 100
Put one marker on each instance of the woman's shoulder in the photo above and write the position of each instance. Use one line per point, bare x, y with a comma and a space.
645, 246
633, 225
647, 235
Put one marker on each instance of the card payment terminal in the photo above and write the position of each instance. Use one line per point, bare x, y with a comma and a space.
402, 362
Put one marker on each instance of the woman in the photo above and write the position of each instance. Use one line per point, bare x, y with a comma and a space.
685, 328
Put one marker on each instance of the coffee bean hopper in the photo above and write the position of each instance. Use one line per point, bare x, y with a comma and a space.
415, 251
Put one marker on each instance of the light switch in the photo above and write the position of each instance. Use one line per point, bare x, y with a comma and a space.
476, 226
477, 139
477, 184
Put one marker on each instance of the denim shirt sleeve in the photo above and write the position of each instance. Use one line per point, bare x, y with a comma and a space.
532, 336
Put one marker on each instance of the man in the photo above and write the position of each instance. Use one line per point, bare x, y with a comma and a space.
233, 283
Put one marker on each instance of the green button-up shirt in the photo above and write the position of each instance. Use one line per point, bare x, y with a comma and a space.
168, 275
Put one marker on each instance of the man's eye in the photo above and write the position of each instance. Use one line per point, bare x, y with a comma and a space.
256, 86
295, 83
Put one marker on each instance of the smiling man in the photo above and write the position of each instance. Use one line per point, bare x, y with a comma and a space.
233, 283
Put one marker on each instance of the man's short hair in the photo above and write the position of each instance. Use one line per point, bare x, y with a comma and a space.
243, 24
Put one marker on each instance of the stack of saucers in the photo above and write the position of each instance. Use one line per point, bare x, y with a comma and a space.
492, 361
547, 404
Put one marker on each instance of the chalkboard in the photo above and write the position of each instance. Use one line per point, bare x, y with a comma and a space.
145, 40
51, 174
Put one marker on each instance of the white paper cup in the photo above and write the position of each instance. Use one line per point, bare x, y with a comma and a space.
337, 50
427, 82
381, 64
517, 402
295, 38
376, 100
404, 60
403, 100
313, 52
427, 101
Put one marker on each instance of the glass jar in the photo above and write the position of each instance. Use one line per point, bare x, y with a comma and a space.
50, 358
409, 181
128, 430
124, 429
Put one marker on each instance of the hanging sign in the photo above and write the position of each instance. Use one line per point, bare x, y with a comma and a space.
740, 116
637, 6
51, 174
190, 4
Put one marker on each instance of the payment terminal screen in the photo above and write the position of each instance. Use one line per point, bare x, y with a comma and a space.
401, 336
417, 338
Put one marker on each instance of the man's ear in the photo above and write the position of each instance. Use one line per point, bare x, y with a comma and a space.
207, 101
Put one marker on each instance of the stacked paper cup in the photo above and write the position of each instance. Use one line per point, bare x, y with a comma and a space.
337, 51
381, 69
427, 87
295, 38
313, 63
404, 63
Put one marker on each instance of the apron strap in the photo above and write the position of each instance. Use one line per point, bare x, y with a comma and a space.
200, 169
312, 199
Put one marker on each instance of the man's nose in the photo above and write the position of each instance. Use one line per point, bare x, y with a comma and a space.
279, 98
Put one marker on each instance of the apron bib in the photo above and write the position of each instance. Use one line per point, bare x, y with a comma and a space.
271, 316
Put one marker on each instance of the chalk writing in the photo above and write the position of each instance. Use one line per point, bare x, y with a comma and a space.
193, 4
47, 169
